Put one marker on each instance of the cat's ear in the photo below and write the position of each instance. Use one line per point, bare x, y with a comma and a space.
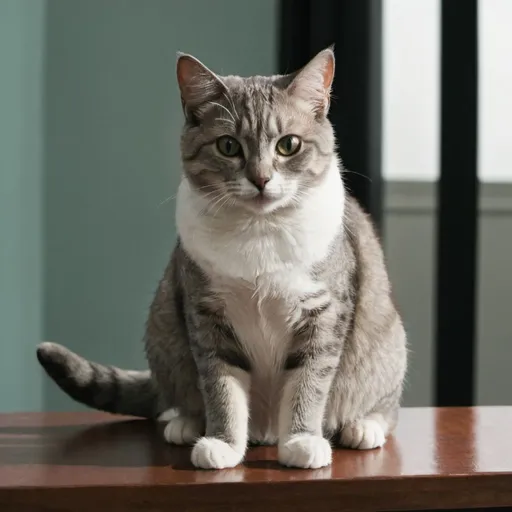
197, 84
312, 84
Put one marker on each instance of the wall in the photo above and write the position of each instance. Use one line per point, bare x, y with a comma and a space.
21, 55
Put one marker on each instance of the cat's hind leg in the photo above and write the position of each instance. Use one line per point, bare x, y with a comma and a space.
366, 433
182, 429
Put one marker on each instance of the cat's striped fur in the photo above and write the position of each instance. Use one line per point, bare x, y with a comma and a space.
274, 320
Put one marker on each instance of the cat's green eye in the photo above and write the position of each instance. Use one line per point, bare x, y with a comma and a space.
228, 146
288, 145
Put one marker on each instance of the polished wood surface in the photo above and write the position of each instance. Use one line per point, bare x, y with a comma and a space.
444, 458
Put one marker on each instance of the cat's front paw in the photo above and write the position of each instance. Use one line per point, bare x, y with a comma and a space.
365, 434
305, 451
212, 453
183, 430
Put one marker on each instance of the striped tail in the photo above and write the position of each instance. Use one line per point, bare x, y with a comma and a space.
101, 387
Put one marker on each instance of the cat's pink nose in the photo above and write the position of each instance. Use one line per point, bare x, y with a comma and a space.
260, 182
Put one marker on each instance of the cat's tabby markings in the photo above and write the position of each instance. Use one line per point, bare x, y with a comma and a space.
273, 322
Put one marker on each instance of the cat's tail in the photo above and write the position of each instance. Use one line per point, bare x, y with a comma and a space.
101, 387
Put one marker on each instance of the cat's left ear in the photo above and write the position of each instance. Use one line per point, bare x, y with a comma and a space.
312, 84
198, 85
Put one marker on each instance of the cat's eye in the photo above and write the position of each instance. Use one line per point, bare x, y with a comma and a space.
228, 146
288, 145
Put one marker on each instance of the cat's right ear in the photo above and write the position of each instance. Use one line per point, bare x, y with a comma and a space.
198, 85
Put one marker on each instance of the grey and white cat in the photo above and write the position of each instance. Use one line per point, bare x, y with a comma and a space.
274, 321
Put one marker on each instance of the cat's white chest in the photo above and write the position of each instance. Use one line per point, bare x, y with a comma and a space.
262, 323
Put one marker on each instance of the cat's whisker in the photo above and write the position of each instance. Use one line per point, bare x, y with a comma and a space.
215, 201
224, 108
209, 195
209, 185
210, 200
170, 198
205, 190
173, 197
227, 197
224, 120
230, 99
232, 186
358, 174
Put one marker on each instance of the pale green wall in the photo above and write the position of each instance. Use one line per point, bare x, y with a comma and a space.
21, 264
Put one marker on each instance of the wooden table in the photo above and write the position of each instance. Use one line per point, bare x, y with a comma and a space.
444, 458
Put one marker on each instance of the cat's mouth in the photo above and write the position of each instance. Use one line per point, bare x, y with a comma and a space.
263, 199
263, 203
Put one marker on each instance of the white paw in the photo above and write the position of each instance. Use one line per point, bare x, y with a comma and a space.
305, 451
182, 430
212, 453
365, 434
168, 415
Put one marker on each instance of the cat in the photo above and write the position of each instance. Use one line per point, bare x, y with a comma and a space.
274, 321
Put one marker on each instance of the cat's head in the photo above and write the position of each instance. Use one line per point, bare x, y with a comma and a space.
260, 143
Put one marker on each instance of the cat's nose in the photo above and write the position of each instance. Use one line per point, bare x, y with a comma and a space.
260, 182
